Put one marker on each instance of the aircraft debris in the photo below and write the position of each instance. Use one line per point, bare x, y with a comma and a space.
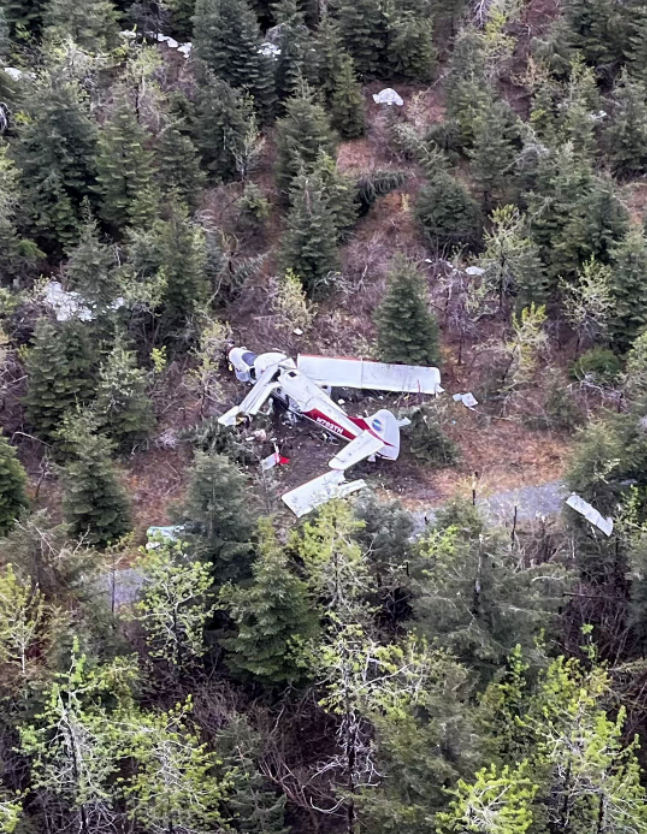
275, 459
590, 513
468, 400
68, 304
299, 389
170, 533
183, 48
388, 97
475, 271
269, 50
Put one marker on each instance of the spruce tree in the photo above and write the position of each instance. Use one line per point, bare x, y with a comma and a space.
226, 36
629, 289
626, 133
90, 268
273, 616
493, 155
123, 408
448, 215
91, 24
125, 170
24, 17
220, 122
300, 136
407, 331
347, 104
60, 374
636, 47
13, 480
468, 92
363, 30
179, 166
410, 48
330, 54
340, 193
309, 244
95, 503
56, 153
297, 59
217, 518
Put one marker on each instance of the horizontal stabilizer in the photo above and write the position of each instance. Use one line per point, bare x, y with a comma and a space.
362, 447
590, 513
319, 491
255, 400
341, 372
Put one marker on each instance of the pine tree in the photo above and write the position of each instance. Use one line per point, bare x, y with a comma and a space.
300, 136
60, 373
448, 215
124, 410
309, 244
410, 48
636, 46
95, 504
407, 331
363, 30
24, 17
19, 255
221, 121
629, 267
626, 134
227, 38
339, 192
56, 154
468, 92
90, 269
297, 60
91, 24
347, 104
273, 617
13, 480
179, 166
493, 155
217, 517
330, 54
125, 170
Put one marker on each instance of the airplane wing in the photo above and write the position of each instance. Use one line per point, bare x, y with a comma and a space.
342, 372
362, 447
319, 491
255, 400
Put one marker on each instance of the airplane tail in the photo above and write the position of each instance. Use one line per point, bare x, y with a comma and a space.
386, 426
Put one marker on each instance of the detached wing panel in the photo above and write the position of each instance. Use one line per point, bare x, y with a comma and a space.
340, 372
319, 491
255, 400
362, 447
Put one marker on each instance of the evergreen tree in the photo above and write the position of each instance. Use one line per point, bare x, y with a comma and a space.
95, 504
24, 17
179, 166
300, 136
19, 255
92, 24
13, 480
407, 331
347, 105
410, 48
221, 121
56, 153
493, 154
628, 288
125, 170
273, 616
330, 54
626, 133
448, 215
297, 59
217, 517
227, 38
60, 373
363, 30
339, 192
468, 92
596, 30
123, 408
90, 269
309, 245
636, 45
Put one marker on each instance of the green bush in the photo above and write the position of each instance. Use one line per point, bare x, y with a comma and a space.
599, 364
427, 440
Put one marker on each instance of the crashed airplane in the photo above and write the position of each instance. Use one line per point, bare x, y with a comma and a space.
300, 388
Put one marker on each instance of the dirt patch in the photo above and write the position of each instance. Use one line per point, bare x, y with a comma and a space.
635, 198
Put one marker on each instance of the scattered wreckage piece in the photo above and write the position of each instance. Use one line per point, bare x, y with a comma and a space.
388, 97
156, 535
319, 491
68, 304
468, 400
299, 389
365, 374
590, 513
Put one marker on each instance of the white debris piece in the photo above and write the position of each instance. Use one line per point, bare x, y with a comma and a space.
270, 50
319, 491
342, 372
17, 75
475, 271
468, 400
185, 49
170, 533
66, 305
128, 34
590, 513
170, 42
388, 97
